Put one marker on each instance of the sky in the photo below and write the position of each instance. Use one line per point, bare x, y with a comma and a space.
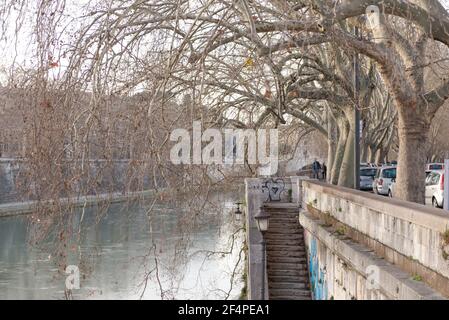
19, 50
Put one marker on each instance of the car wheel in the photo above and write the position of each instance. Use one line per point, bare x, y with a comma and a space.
435, 203
390, 194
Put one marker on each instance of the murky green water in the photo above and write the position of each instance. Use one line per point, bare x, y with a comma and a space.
115, 255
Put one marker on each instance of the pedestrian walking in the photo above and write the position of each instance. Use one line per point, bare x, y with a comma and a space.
324, 171
316, 168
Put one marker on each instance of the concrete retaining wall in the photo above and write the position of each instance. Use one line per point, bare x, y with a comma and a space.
341, 269
113, 176
351, 233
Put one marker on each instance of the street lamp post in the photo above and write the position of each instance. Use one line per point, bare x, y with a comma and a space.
262, 218
238, 212
446, 185
356, 117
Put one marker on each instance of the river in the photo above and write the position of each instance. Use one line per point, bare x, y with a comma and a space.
114, 254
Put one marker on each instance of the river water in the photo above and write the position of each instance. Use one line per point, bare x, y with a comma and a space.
117, 255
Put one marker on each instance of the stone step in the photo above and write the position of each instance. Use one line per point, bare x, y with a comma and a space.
290, 292
274, 247
286, 266
295, 260
288, 273
282, 214
288, 285
293, 236
283, 230
286, 243
276, 233
279, 222
284, 221
284, 217
290, 297
276, 229
281, 205
296, 244
291, 225
286, 254
297, 241
282, 278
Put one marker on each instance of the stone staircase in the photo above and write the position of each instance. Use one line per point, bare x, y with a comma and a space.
287, 271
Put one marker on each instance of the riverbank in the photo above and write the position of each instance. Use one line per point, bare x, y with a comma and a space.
28, 207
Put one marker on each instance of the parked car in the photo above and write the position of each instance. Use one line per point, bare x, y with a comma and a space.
434, 166
367, 165
383, 180
435, 188
367, 175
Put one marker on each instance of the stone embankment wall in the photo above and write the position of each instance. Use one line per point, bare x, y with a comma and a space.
109, 177
363, 246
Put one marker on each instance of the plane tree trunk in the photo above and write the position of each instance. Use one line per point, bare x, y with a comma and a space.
343, 127
413, 130
346, 178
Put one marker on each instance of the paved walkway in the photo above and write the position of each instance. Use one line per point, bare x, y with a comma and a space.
288, 276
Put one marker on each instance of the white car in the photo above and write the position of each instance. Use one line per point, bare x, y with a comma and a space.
391, 188
384, 178
434, 166
435, 188
367, 165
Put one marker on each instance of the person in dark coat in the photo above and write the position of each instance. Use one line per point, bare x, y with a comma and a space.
316, 168
324, 171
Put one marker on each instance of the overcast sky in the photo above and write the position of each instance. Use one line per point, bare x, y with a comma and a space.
19, 49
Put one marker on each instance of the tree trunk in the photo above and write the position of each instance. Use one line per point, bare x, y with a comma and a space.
413, 129
332, 134
380, 155
343, 126
372, 154
346, 178
364, 155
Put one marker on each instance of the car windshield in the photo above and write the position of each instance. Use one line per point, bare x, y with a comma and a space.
368, 172
435, 166
389, 173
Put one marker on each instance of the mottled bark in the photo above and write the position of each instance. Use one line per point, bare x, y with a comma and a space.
343, 126
346, 178
413, 129
332, 143
379, 156
364, 153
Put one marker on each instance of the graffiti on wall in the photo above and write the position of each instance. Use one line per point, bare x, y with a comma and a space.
318, 283
274, 188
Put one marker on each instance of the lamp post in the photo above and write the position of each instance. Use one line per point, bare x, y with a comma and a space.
356, 116
238, 212
446, 185
262, 219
